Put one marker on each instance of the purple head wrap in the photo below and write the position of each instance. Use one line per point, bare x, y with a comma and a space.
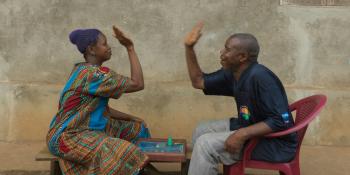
82, 38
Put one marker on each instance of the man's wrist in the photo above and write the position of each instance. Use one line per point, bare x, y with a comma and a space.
130, 48
243, 134
189, 46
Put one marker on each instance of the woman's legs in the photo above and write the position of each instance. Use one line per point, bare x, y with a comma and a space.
127, 130
93, 152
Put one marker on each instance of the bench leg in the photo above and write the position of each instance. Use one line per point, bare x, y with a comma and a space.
55, 168
184, 167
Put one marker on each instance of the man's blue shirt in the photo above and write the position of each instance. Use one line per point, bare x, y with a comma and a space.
260, 97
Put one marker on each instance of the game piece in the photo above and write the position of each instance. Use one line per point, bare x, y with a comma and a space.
170, 141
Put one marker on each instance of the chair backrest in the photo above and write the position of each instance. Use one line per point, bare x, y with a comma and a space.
306, 110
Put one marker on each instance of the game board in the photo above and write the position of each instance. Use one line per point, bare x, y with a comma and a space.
163, 150
160, 147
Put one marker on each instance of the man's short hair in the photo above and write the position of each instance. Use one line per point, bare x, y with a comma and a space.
249, 44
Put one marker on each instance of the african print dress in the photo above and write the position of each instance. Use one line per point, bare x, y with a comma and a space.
81, 134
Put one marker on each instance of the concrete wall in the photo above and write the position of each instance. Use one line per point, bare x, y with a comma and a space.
306, 46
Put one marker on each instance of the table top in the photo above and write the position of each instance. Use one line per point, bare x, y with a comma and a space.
158, 150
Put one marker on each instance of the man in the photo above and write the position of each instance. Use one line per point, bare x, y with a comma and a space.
261, 104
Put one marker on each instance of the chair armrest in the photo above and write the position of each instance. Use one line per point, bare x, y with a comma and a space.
284, 132
254, 141
295, 128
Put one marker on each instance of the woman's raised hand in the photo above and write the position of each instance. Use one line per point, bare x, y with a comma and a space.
123, 40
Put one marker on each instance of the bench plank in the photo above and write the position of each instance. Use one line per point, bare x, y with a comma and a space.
45, 155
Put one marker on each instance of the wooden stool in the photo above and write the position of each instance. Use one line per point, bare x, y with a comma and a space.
45, 155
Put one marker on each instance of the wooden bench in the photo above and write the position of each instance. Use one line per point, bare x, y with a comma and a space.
45, 155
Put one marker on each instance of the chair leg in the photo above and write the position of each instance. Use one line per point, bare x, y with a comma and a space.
226, 169
296, 170
288, 172
233, 170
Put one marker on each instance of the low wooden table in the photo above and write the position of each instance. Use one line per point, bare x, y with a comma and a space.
169, 157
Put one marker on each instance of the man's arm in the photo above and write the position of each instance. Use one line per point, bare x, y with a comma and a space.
194, 70
235, 141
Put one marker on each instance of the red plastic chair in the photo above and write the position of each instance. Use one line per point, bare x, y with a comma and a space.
306, 110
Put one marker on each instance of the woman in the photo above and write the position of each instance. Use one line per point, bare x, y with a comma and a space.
88, 135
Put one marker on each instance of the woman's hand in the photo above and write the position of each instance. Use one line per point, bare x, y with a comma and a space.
123, 40
192, 37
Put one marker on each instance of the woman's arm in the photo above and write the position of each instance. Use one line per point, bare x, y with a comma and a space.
115, 114
136, 82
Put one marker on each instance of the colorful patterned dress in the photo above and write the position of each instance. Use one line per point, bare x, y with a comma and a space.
84, 138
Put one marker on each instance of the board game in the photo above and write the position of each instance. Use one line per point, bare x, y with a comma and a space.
163, 150
160, 147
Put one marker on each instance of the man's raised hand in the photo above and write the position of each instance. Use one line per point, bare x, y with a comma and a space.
192, 37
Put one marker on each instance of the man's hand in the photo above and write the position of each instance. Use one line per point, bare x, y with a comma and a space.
235, 142
125, 41
192, 37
